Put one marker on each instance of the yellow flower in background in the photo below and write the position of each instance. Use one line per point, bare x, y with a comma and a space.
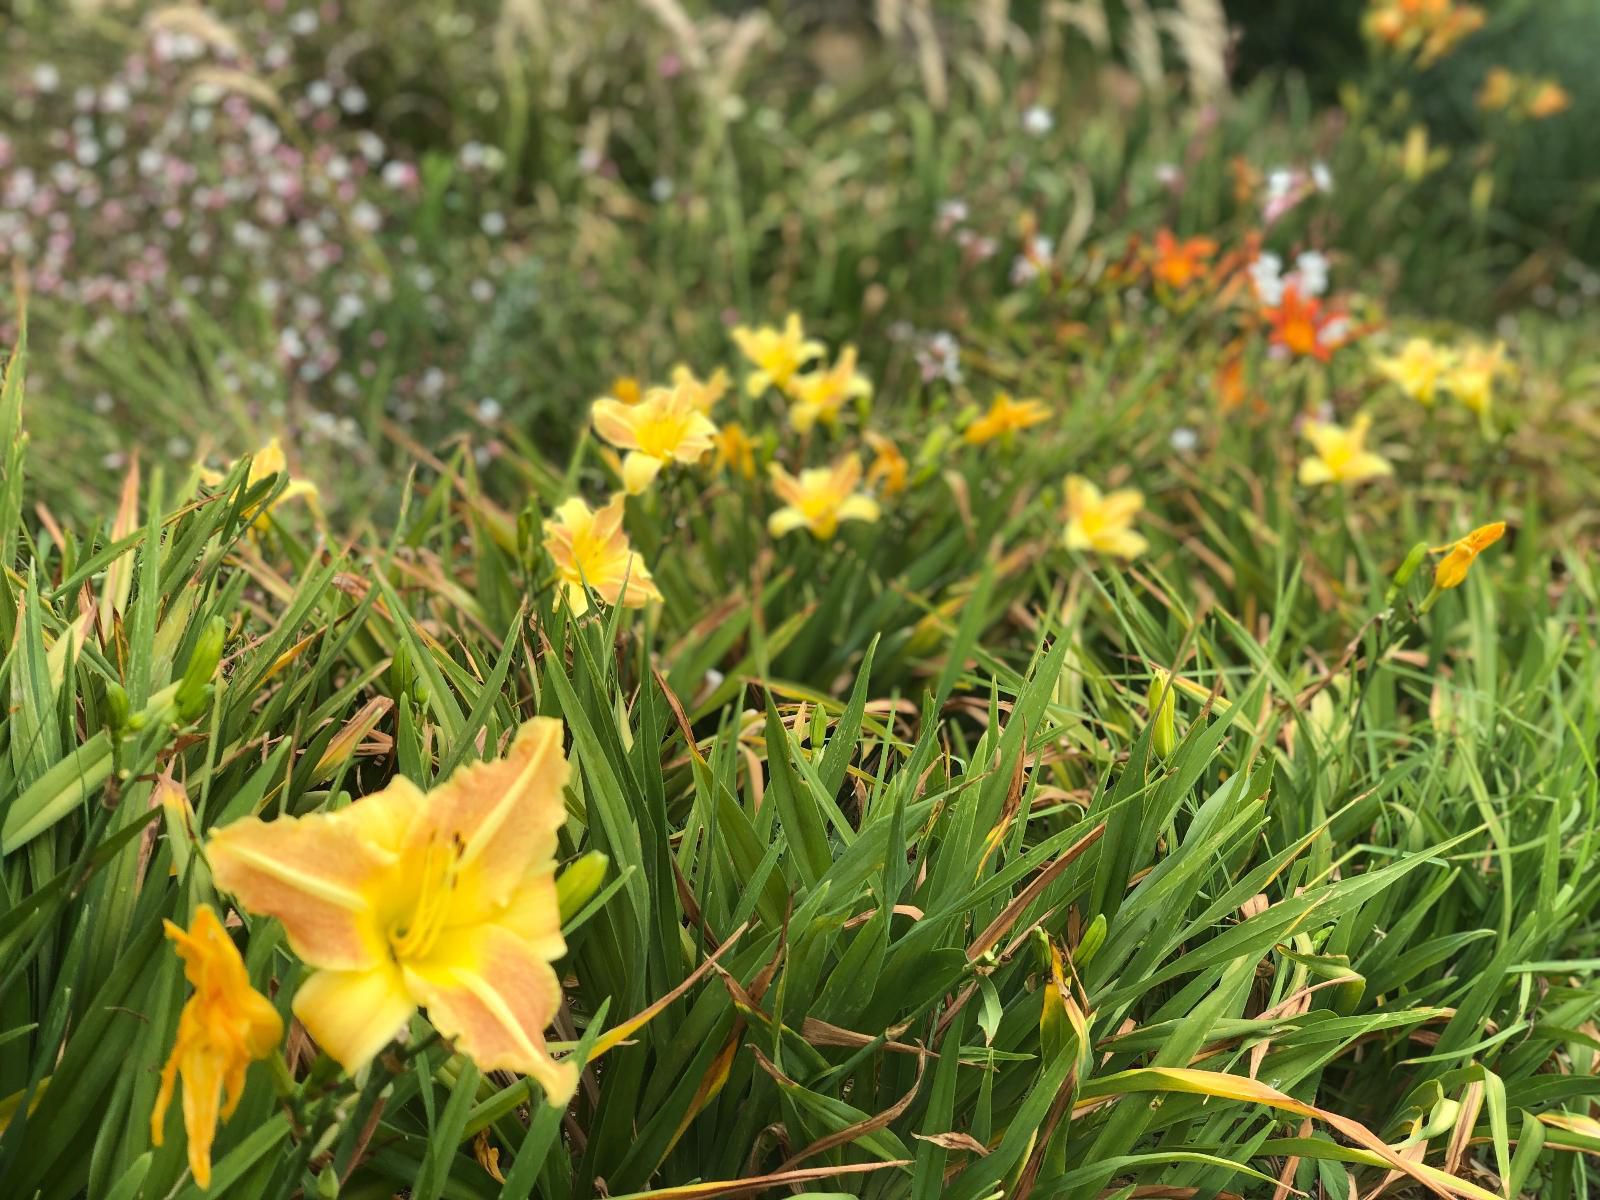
1548, 99
702, 394
778, 355
264, 464
1471, 380
820, 498
444, 900
888, 469
735, 451
1460, 555
1340, 455
822, 394
626, 389
1417, 369
224, 1027
1498, 89
590, 547
662, 428
1103, 522
1005, 417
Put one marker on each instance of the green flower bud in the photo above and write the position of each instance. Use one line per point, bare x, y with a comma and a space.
194, 690
116, 705
1407, 569
1163, 713
1089, 944
577, 885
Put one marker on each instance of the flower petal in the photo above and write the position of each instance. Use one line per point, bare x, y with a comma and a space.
317, 873
503, 815
354, 1014
613, 420
639, 471
785, 520
859, 507
487, 991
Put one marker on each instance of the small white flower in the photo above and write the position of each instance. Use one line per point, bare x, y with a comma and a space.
304, 22
366, 217
1266, 275
103, 403
1322, 177
1311, 269
1168, 174
353, 100
320, 93
46, 77
1280, 182
661, 189
489, 409
953, 212
1184, 440
493, 223
1334, 332
1038, 121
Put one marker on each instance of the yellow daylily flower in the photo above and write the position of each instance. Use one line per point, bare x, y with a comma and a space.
626, 389
265, 463
1472, 379
1417, 369
820, 498
662, 428
1004, 418
1103, 522
821, 395
778, 355
1340, 455
1461, 554
735, 451
591, 552
443, 900
702, 394
224, 1027
888, 469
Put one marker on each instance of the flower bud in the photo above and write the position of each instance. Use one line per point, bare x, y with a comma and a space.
116, 706
1162, 706
577, 885
1089, 944
194, 690
1407, 569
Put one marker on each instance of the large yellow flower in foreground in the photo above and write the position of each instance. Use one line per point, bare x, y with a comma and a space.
1103, 522
820, 498
590, 547
662, 428
821, 395
444, 900
1460, 555
1417, 369
778, 354
224, 1027
264, 464
1004, 418
1340, 455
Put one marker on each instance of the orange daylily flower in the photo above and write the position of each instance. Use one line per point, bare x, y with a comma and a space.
1461, 554
1004, 418
224, 1027
1303, 327
888, 468
1178, 264
444, 900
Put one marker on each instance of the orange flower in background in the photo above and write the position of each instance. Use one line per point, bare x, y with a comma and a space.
1548, 99
1499, 88
626, 390
1229, 382
735, 451
888, 468
444, 900
1178, 264
1428, 28
1005, 418
665, 427
1301, 325
591, 552
224, 1027
1460, 555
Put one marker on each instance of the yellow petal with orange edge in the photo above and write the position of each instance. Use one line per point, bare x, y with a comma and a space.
354, 1014
613, 420
488, 992
502, 815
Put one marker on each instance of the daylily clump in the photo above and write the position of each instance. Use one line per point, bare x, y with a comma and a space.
591, 553
1430, 29
443, 900
819, 396
1005, 418
1340, 454
820, 498
778, 355
1103, 522
667, 426
224, 1027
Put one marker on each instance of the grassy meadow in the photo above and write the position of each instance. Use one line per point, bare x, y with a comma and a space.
904, 600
